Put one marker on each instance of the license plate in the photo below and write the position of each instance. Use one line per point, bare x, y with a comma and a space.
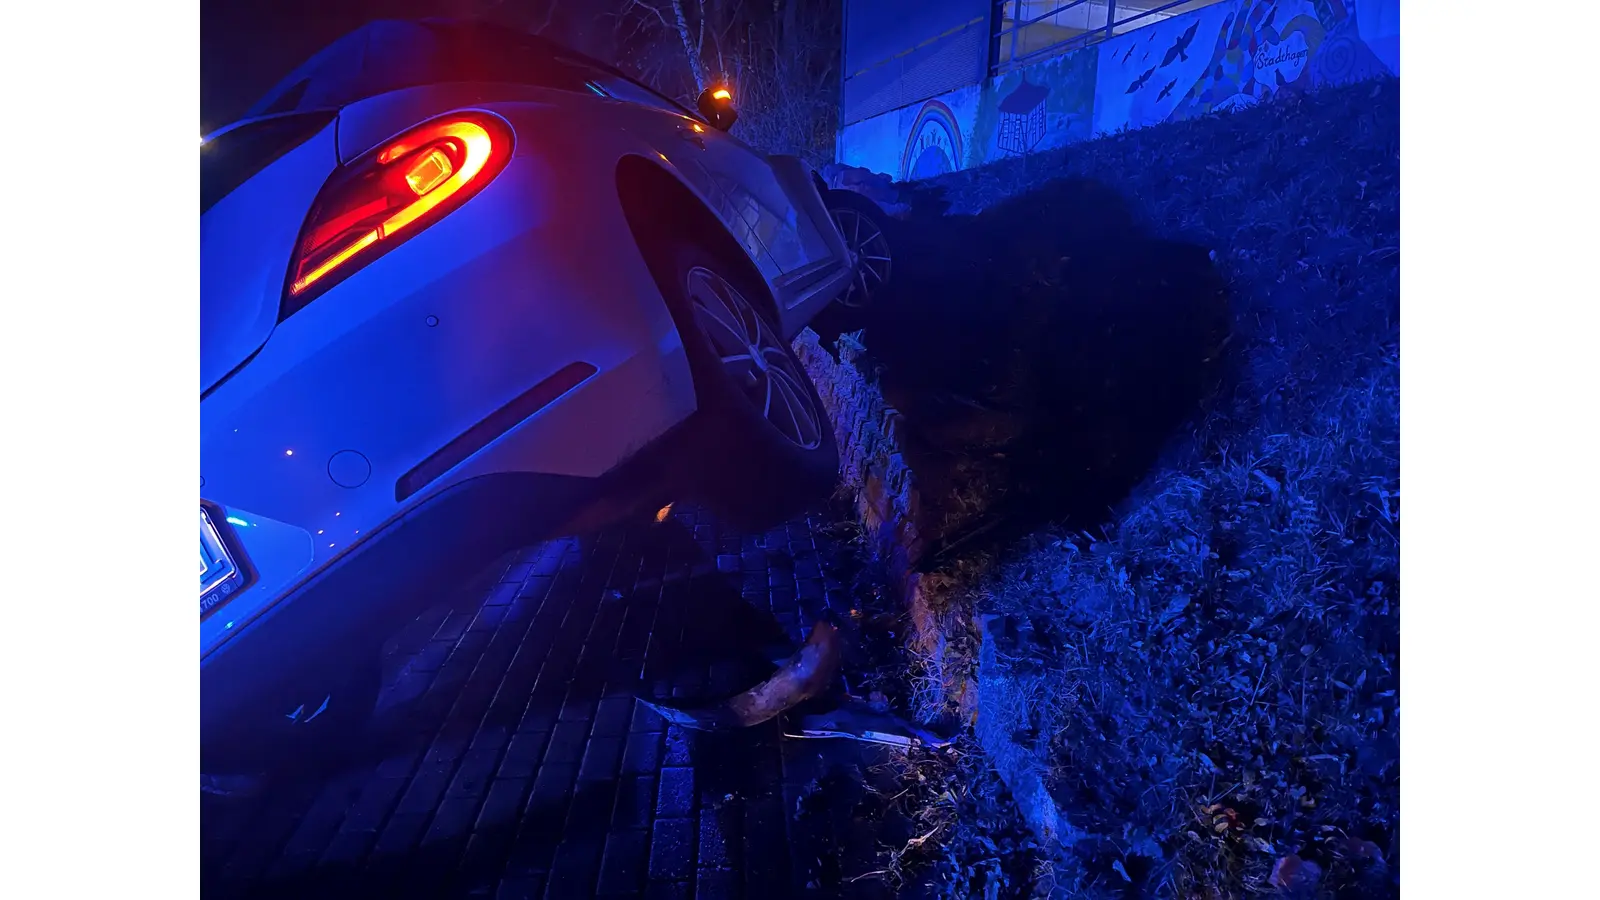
221, 573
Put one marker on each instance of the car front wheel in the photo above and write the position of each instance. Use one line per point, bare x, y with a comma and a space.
862, 224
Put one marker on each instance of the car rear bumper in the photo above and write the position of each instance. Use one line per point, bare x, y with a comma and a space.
340, 618
492, 343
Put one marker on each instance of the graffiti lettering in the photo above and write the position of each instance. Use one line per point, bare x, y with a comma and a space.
1264, 59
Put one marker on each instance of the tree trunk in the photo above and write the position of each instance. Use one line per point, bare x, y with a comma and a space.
689, 48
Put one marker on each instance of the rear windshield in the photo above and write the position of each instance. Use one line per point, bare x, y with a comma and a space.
473, 52
390, 56
230, 159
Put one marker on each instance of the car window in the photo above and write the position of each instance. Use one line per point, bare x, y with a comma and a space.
621, 87
493, 54
389, 56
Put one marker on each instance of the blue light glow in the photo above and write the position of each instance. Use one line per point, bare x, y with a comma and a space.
235, 520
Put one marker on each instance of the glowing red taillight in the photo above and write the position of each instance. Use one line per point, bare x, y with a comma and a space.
376, 202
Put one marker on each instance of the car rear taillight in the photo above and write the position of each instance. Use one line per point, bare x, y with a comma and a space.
376, 202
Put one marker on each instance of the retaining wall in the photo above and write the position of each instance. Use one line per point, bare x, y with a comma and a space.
1221, 57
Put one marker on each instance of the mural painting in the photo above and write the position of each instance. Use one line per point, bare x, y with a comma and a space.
1220, 57
934, 145
1230, 56
1144, 75
1022, 118
1378, 23
1037, 108
930, 138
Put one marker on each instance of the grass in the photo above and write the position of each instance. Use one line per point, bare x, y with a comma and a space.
945, 826
1152, 390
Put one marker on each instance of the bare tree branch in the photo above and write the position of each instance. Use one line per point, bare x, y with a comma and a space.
781, 56
550, 8
660, 16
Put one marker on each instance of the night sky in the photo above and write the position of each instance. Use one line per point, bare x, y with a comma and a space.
246, 46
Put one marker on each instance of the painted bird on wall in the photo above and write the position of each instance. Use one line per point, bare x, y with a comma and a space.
1167, 91
1140, 81
1180, 49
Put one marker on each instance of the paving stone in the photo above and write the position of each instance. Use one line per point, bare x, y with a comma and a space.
669, 890
636, 803
613, 716
676, 794
348, 848
523, 754
716, 885
623, 866
577, 711
426, 789
378, 798
453, 820
552, 789
575, 868
526, 888
401, 834
642, 753
567, 743
672, 849
522, 766
716, 848
601, 758
503, 804
474, 774
591, 809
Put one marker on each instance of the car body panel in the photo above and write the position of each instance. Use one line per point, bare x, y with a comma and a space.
310, 425
241, 282
804, 293
418, 346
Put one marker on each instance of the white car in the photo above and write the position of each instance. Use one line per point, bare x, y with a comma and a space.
463, 289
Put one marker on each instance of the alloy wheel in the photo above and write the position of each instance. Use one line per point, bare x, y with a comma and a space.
867, 243
755, 358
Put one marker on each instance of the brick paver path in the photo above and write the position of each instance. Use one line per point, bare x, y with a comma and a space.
512, 760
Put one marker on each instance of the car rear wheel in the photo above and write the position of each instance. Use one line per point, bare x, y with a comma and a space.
767, 448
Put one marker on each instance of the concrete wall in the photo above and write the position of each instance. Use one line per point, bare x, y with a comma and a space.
1224, 56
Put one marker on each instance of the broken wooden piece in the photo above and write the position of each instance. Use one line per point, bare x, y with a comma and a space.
802, 676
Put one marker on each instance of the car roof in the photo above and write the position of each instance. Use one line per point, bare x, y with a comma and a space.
391, 54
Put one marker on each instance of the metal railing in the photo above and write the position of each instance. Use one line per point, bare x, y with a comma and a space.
1069, 26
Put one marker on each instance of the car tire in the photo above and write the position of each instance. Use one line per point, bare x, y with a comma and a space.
866, 232
763, 445
312, 728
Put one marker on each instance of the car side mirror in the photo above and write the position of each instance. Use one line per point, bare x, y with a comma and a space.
716, 105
